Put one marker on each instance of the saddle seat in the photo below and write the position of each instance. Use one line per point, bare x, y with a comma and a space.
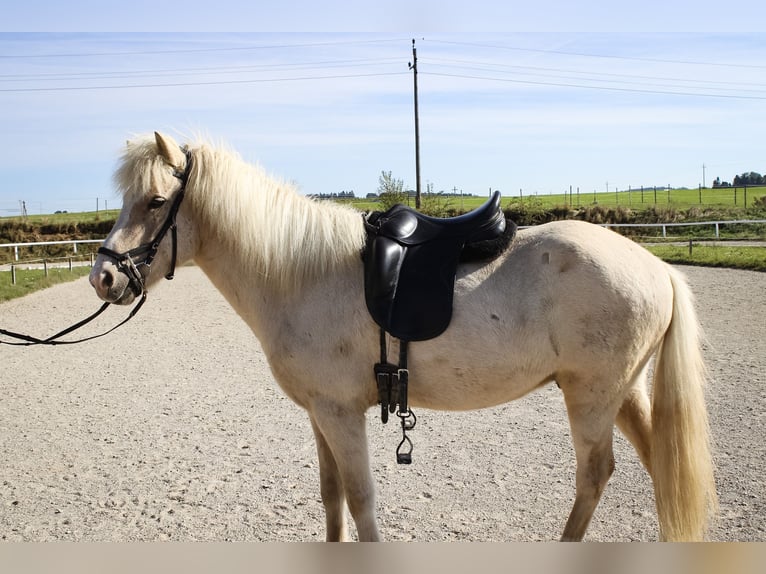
411, 259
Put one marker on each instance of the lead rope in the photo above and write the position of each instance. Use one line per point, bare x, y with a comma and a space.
53, 339
392, 383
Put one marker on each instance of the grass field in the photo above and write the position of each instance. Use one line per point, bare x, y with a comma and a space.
719, 256
65, 218
753, 258
635, 199
29, 280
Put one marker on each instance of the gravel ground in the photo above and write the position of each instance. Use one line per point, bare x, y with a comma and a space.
173, 428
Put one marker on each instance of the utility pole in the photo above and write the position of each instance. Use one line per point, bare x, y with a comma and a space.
414, 68
703, 175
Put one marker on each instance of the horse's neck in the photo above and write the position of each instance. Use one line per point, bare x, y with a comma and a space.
269, 251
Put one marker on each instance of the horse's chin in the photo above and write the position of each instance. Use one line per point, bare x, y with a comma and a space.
126, 298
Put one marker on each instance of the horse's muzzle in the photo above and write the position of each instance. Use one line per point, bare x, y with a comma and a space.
113, 283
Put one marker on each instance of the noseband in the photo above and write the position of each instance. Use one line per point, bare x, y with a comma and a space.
136, 263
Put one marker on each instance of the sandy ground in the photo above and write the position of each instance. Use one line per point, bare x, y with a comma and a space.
173, 428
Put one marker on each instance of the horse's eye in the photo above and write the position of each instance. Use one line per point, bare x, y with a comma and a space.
157, 202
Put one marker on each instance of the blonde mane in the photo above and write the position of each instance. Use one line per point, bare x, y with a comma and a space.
283, 236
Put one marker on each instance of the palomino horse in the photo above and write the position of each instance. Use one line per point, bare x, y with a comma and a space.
568, 302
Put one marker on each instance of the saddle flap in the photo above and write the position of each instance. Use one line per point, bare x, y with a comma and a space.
413, 302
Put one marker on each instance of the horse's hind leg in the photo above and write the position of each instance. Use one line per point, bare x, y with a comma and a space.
331, 488
344, 438
592, 437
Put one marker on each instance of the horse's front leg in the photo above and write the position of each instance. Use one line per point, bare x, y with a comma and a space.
331, 488
344, 438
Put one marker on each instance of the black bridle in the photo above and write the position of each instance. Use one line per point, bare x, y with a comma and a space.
135, 263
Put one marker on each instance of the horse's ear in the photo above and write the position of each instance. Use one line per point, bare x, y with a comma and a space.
169, 150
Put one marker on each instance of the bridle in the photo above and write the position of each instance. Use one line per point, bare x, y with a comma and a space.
135, 263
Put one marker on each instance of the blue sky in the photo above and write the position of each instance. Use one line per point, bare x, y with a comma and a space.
537, 111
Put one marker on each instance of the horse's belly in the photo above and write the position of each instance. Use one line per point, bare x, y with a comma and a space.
465, 383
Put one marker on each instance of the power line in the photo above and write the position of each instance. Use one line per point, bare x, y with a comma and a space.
608, 56
624, 79
201, 50
494, 66
592, 87
211, 83
200, 70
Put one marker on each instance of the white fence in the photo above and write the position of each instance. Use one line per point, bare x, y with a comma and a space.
664, 226
73, 242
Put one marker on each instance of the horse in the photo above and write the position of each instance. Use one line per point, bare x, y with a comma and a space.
568, 302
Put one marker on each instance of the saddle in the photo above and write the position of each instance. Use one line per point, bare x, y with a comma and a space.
410, 264
411, 260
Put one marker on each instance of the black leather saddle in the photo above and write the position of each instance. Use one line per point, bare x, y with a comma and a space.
411, 261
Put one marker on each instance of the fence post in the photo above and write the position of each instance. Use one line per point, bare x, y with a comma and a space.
13, 275
70, 264
45, 266
74, 243
716, 230
16, 252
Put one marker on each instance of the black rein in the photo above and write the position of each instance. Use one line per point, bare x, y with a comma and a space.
129, 263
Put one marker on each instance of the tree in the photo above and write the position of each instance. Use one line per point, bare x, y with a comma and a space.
390, 190
749, 178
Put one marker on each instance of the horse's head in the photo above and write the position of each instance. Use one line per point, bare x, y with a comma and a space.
152, 179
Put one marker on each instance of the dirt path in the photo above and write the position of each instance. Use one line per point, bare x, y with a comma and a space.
173, 428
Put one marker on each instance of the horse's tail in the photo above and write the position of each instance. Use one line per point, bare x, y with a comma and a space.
681, 460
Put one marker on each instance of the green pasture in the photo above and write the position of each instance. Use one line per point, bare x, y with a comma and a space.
729, 200
632, 198
66, 218
753, 258
30, 280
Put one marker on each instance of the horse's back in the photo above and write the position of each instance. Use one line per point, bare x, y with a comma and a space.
570, 251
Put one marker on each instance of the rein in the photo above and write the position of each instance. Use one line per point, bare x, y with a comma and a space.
128, 264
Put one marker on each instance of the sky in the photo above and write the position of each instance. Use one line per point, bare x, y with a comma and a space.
533, 110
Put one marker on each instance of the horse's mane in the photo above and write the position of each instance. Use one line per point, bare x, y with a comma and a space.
280, 234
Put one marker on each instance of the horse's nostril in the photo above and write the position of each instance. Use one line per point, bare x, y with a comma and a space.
107, 279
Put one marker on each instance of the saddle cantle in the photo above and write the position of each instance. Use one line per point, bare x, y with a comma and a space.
411, 261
